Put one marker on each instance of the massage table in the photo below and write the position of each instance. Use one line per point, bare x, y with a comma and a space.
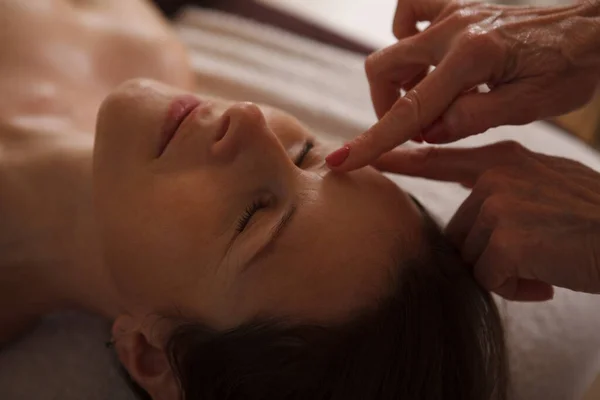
554, 347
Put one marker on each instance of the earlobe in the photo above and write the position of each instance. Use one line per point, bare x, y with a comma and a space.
145, 361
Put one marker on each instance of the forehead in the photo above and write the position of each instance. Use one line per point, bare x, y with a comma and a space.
339, 254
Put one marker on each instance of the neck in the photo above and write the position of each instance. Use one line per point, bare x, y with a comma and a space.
49, 251
85, 283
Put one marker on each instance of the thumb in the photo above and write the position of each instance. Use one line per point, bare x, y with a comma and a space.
474, 113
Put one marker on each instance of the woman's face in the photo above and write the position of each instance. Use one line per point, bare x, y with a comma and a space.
231, 212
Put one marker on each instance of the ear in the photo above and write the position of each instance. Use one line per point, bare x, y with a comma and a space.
140, 348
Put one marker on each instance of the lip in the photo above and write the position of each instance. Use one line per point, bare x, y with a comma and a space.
179, 109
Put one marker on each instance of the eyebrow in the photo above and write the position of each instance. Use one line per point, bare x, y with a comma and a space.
274, 234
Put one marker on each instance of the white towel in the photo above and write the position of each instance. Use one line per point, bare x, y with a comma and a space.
553, 346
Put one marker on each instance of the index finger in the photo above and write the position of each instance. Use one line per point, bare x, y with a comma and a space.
409, 116
450, 164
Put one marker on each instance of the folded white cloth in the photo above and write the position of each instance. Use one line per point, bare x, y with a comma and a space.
553, 346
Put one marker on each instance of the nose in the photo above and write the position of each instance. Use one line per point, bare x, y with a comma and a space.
245, 133
242, 116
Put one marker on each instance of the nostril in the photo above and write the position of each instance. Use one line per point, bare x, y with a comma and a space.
247, 113
244, 115
223, 128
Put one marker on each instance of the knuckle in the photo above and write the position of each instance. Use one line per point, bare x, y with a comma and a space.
468, 3
499, 242
474, 5
427, 155
493, 208
511, 148
400, 28
464, 119
422, 158
412, 101
493, 271
462, 13
453, 7
488, 182
501, 180
480, 38
456, 16
468, 49
373, 64
469, 38
480, 45
448, 9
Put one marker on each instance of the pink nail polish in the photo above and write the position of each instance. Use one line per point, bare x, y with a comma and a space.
336, 158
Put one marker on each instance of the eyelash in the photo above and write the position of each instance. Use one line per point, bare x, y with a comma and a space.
248, 214
259, 205
308, 146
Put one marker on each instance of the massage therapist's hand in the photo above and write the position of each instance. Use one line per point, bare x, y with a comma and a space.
538, 62
531, 220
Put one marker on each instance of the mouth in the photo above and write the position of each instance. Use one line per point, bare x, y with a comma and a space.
180, 108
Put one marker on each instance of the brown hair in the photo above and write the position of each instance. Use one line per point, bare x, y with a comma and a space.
437, 335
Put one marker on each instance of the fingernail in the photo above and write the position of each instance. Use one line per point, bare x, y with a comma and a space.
436, 134
336, 158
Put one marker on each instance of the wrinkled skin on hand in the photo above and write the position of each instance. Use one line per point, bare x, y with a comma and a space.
531, 220
538, 63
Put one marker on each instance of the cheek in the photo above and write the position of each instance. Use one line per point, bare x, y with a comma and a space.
162, 236
286, 127
158, 263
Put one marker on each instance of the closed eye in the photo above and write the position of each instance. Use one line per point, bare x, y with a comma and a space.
248, 214
308, 146
256, 206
